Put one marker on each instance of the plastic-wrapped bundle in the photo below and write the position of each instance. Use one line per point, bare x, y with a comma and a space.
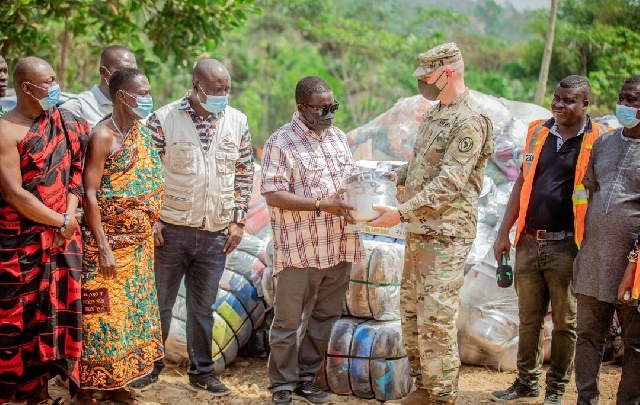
258, 344
374, 285
268, 281
268, 286
487, 320
258, 220
609, 120
506, 360
254, 246
247, 265
367, 359
175, 348
257, 223
393, 132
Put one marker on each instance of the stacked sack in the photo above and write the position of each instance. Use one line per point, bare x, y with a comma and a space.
366, 355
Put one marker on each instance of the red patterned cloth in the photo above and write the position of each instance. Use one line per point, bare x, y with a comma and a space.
40, 307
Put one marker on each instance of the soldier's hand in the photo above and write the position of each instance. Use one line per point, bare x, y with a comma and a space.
501, 244
390, 216
334, 205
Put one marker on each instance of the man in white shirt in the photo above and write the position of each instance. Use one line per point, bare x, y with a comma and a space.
94, 104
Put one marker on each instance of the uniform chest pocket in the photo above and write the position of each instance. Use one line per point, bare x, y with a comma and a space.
183, 158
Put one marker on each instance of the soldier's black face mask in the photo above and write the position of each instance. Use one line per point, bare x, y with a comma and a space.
431, 91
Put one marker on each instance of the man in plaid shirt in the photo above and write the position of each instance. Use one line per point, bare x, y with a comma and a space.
304, 163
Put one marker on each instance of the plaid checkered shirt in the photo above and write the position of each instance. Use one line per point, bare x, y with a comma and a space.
299, 161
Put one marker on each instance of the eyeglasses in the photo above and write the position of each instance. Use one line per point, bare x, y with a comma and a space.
326, 109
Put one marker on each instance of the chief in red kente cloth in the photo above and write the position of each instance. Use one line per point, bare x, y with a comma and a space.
40, 242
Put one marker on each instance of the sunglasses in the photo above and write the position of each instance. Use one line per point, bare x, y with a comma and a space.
326, 109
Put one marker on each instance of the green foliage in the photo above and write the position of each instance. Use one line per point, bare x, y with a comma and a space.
366, 50
174, 31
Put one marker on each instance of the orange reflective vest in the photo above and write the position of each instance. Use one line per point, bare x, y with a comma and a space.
536, 136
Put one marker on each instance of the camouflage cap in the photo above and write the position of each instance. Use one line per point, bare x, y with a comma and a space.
441, 55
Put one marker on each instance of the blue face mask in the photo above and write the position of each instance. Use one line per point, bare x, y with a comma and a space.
627, 116
144, 107
53, 95
214, 104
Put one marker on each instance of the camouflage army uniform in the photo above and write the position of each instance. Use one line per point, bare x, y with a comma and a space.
2, 111
442, 184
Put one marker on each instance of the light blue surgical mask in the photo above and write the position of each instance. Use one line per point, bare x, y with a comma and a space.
144, 105
53, 95
214, 104
627, 116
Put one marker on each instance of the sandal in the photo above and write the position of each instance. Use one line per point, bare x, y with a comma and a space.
122, 396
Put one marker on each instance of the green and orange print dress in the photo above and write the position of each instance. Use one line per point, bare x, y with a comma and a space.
121, 322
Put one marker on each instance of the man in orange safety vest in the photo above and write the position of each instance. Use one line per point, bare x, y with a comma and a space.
549, 203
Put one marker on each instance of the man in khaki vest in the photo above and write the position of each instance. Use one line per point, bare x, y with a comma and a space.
205, 147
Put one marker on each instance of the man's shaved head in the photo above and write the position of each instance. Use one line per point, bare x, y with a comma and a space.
209, 69
32, 77
29, 69
114, 54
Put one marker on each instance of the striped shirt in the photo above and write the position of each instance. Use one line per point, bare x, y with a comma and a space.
299, 161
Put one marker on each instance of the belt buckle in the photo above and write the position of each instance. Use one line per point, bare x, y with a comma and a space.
538, 232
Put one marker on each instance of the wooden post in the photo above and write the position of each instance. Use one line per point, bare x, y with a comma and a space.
546, 56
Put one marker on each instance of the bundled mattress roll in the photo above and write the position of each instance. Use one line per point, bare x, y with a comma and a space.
374, 285
367, 359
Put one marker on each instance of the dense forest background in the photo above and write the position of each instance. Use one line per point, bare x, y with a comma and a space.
366, 49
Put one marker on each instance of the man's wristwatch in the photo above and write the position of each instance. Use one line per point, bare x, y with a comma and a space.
65, 223
318, 212
239, 216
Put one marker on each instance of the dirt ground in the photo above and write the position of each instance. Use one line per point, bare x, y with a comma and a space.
247, 378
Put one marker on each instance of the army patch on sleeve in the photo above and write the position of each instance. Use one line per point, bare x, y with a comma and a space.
465, 144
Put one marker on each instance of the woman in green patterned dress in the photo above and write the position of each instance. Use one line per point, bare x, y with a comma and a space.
124, 185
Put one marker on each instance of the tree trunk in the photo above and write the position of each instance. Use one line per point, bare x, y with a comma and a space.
64, 54
546, 56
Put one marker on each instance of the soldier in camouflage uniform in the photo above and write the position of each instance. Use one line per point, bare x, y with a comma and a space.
442, 183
